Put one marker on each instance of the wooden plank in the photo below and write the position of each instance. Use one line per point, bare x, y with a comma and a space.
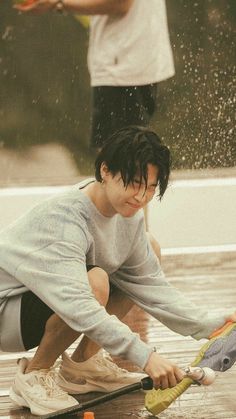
209, 280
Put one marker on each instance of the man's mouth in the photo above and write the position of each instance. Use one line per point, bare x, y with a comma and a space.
135, 206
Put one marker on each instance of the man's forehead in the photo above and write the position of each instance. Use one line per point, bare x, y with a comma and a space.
151, 174
151, 169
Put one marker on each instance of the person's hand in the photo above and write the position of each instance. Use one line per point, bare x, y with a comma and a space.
231, 318
164, 373
35, 6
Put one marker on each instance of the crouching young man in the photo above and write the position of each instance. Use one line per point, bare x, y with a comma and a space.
75, 264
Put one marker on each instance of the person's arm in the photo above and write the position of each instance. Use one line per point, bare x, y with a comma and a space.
143, 280
87, 7
46, 252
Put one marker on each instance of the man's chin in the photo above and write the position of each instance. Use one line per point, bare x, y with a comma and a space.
130, 212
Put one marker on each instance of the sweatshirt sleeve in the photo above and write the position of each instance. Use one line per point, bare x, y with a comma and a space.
142, 278
55, 270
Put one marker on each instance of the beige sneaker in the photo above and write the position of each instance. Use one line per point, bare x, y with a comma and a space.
98, 373
38, 391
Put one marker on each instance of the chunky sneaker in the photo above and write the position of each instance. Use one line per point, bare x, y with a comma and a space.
39, 391
98, 373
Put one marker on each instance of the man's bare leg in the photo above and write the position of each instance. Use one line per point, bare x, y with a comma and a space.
118, 304
58, 335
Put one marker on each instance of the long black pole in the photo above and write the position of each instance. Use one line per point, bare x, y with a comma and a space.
145, 384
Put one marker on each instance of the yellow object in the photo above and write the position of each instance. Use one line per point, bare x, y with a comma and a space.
158, 400
84, 20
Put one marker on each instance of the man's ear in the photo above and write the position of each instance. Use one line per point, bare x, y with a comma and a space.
104, 171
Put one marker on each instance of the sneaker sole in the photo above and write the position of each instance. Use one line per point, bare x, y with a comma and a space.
17, 398
21, 402
87, 388
156, 401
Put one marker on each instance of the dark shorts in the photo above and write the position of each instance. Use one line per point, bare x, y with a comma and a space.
114, 107
34, 315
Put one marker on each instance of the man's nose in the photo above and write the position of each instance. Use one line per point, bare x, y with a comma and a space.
140, 195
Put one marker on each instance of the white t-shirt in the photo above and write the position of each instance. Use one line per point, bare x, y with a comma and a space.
133, 49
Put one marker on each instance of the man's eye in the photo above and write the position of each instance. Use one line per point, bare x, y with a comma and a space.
151, 189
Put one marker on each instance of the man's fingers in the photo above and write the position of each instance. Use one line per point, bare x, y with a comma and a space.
179, 375
33, 6
26, 8
156, 384
232, 317
172, 380
164, 373
164, 383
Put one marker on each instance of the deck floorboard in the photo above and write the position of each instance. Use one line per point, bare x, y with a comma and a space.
209, 280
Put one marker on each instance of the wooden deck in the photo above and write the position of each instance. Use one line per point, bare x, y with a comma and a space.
209, 280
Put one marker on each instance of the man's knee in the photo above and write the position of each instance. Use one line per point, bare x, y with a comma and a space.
119, 304
99, 282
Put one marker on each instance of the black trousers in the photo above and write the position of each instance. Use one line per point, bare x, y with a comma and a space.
115, 107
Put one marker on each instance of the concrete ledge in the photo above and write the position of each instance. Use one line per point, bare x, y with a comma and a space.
195, 216
195, 213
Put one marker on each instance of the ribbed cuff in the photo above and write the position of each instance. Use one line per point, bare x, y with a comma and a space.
139, 353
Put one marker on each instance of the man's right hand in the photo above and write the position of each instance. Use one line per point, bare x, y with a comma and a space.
164, 373
36, 7
84, 7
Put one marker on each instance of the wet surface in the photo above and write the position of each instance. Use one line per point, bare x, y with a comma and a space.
209, 280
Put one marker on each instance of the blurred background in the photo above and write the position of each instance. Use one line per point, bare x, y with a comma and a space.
45, 92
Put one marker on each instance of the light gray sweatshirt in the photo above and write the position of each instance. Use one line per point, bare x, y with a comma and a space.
46, 251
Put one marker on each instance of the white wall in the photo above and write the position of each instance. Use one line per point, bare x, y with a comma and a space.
194, 213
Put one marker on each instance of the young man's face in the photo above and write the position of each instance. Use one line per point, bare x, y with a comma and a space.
126, 201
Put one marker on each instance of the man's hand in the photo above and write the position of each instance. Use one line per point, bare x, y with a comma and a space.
164, 373
228, 320
36, 6
231, 318
88, 7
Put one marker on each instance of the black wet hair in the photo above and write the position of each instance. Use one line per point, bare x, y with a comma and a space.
129, 151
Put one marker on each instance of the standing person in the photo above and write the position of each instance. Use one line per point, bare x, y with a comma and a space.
129, 54
76, 263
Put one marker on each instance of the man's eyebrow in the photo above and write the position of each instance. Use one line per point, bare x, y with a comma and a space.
153, 184
141, 181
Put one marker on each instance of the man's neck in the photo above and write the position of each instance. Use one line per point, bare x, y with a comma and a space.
96, 193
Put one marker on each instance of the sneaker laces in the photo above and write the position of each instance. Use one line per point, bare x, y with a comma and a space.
47, 380
107, 361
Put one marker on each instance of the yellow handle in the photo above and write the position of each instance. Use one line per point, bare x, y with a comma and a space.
158, 400
84, 20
